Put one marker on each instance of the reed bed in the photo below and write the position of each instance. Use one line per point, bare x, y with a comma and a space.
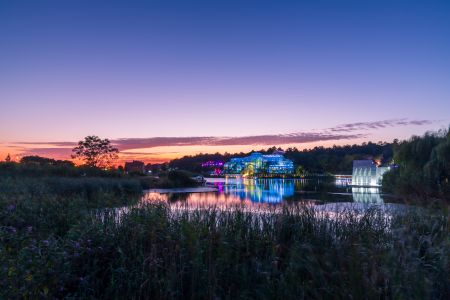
151, 251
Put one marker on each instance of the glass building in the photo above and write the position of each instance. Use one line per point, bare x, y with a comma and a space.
367, 173
260, 164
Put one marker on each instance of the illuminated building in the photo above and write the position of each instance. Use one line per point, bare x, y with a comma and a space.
259, 164
367, 173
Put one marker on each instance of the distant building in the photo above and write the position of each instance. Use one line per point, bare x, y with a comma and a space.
149, 168
135, 166
259, 164
367, 173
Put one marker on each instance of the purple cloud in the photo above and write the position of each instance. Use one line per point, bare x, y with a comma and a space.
278, 139
378, 125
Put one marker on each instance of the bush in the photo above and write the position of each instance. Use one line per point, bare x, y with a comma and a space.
171, 179
424, 167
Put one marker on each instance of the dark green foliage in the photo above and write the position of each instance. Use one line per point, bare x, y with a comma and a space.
54, 204
60, 169
38, 160
423, 167
338, 159
194, 163
156, 253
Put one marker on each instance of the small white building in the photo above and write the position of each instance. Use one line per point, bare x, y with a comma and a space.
367, 173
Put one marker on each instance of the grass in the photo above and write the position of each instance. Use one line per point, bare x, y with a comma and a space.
156, 253
65, 237
52, 205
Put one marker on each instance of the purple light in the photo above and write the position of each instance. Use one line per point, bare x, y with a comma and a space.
212, 164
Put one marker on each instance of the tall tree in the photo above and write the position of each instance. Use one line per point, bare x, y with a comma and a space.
95, 152
8, 158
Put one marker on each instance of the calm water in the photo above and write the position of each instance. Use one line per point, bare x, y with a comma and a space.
232, 191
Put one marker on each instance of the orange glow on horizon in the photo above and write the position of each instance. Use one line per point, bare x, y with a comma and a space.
147, 155
151, 155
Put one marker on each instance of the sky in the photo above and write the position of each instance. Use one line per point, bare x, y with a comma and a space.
163, 79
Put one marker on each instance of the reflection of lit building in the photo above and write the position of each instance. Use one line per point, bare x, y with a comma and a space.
367, 173
257, 163
260, 190
367, 195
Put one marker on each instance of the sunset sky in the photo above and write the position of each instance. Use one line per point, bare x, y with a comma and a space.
163, 79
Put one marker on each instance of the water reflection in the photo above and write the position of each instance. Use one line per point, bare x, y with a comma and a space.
248, 192
258, 190
367, 195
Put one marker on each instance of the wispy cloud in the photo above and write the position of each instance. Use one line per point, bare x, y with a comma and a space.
264, 140
55, 144
59, 153
362, 126
340, 132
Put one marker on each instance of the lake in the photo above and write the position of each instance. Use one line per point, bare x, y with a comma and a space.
270, 192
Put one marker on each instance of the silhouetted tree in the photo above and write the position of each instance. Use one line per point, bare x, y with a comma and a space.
8, 158
95, 152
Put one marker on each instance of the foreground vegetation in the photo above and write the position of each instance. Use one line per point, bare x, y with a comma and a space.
54, 247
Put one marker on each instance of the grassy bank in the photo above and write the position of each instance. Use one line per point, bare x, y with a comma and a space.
154, 253
51, 205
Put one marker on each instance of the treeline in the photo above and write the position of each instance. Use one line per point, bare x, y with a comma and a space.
423, 167
43, 179
318, 160
37, 166
63, 175
339, 159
